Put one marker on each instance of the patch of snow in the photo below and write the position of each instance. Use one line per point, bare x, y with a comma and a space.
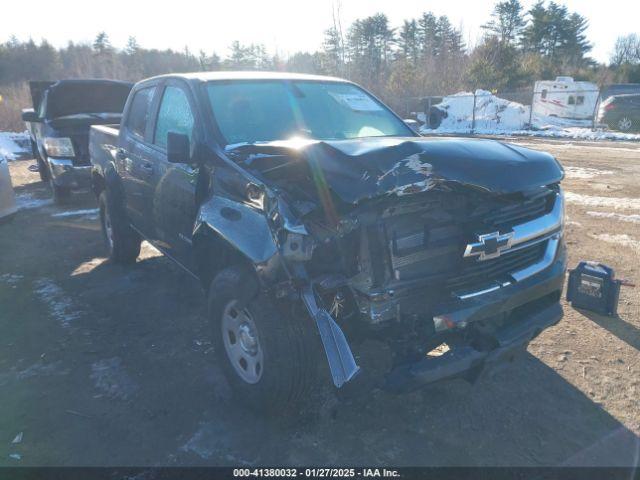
619, 239
611, 202
196, 444
593, 145
60, 305
25, 202
491, 113
110, 377
36, 370
585, 172
90, 213
579, 134
10, 278
211, 439
42, 369
14, 145
617, 216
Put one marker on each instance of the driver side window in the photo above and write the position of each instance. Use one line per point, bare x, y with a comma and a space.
175, 115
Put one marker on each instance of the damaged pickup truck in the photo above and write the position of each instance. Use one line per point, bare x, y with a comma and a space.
316, 220
58, 125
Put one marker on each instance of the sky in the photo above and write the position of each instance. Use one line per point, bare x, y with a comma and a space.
283, 26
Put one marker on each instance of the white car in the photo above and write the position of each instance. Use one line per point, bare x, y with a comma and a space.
7, 197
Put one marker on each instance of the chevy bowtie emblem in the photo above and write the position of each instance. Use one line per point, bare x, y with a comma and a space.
489, 245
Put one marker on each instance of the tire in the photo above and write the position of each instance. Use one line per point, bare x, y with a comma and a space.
61, 195
42, 167
281, 353
122, 242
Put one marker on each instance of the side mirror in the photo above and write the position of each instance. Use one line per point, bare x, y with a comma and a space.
29, 115
178, 148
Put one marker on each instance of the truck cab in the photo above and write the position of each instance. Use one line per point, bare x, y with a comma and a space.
59, 125
315, 219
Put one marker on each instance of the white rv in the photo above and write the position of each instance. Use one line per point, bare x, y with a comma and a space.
565, 98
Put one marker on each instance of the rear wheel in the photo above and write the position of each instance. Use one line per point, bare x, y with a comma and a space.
123, 243
269, 358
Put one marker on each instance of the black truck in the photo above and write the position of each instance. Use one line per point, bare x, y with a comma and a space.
316, 220
59, 125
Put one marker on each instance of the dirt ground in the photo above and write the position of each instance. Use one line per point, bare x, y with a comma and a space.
105, 365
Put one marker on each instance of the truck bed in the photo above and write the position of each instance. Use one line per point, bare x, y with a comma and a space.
103, 142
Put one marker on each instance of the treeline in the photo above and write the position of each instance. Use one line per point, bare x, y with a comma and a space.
425, 55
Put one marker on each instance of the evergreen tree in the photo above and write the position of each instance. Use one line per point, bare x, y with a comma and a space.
556, 35
333, 50
408, 41
102, 44
132, 46
427, 34
507, 21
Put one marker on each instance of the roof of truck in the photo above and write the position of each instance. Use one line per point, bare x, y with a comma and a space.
246, 75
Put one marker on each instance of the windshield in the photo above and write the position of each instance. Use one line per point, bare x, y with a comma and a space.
262, 111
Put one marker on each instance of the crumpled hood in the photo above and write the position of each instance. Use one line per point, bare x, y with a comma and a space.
370, 167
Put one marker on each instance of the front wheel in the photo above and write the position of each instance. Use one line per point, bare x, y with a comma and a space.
61, 195
123, 243
269, 357
42, 167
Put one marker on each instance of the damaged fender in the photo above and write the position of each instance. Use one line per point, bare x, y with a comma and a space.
240, 225
249, 231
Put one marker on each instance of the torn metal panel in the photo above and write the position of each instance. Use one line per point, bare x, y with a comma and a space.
241, 226
341, 362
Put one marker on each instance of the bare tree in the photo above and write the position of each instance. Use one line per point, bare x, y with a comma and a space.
626, 50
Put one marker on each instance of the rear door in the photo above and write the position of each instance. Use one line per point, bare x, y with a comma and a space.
173, 204
131, 157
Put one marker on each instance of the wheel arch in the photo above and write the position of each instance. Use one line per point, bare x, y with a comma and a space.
221, 239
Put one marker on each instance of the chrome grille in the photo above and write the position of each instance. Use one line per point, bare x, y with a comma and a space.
419, 248
474, 272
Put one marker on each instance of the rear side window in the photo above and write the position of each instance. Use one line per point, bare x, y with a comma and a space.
139, 112
175, 115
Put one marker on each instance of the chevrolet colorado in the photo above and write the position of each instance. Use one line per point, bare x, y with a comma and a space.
316, 219
59, 124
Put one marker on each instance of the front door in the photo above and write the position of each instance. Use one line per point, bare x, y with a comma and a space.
173, 206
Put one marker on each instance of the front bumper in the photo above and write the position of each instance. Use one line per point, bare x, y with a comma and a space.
466, 361
65, 174
528, 307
